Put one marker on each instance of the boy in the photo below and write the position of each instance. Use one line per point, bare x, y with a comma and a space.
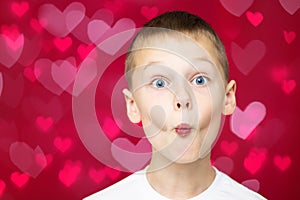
177, 73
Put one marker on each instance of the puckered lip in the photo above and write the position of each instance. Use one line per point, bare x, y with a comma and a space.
183, 129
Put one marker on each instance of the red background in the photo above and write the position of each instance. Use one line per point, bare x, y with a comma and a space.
38, 117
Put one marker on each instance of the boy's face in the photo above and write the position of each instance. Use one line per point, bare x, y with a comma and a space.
179, 94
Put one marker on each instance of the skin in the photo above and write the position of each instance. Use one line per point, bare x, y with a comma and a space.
179, 81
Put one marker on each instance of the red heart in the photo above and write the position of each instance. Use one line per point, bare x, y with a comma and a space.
62, 44
282, 163
20, 8
2, 187
254, 18
35, 25
110, 128
289, 36
11, 31
62, 144
44, 123
253, 162
229, 147
84, 50
69, 173
97, 175
114, 5
112, 173
19, 179
288, 86
279, 73
149, 13
29, 74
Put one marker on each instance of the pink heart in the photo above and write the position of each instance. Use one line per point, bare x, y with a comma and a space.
60, 23
288, 86
130, 156
110, 40
97, 175
2, 187
19, 179
242, 123
282, 162
246, 59
253, 162
20, 8
96, 29
70, 172
63, 73
62, 44
289, 36
1, 83
47, 73
252, 184
149, 13
254, 18
62, 144
236, 7
229, 148
10, 49
24, 157
290, 6
81, 31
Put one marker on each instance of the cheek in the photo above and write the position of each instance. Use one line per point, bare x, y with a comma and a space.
154, 113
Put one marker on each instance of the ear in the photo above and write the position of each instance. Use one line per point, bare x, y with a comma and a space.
133, 112
230, 101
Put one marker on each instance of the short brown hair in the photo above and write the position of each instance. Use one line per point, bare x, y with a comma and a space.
183, 22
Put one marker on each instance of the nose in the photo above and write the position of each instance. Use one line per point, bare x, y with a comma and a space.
182, 99
183, 104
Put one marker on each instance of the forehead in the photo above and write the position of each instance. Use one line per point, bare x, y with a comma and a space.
174, 49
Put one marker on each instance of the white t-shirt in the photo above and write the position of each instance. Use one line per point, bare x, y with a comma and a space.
137, 187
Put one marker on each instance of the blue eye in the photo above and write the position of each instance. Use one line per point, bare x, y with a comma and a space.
159, 83
199, 80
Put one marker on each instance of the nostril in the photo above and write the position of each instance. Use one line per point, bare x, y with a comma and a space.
178, 105
187, 105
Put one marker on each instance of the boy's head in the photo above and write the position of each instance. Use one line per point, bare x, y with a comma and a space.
177, 73
178, 21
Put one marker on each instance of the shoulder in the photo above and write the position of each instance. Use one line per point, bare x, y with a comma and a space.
234, 190
124, 188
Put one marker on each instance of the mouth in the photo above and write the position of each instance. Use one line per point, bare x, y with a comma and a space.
183, 129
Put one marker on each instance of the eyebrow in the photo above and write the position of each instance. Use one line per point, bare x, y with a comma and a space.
150, 63
206, 60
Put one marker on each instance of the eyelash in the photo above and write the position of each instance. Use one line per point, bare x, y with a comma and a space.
203, 76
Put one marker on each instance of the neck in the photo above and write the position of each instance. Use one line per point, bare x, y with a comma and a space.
181, 181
